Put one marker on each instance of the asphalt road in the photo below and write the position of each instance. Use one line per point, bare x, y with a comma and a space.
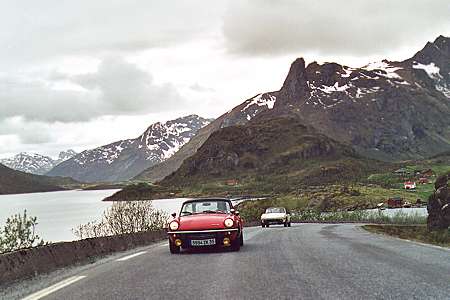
306, 261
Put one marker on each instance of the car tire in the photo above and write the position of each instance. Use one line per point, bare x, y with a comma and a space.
262, 225
241, 239
173, 249
236, 245
267, 225
289, 224
285, 224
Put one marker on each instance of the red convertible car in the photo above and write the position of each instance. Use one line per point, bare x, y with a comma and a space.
211, 222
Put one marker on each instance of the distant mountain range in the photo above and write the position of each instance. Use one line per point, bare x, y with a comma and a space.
35, 163
125, 159
17, 182
386, 110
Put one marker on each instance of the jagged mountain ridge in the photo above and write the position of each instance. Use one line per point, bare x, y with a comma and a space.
125, 159
35, 163
386, 110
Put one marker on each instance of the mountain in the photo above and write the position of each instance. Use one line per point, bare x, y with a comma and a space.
272, 150
17, 182
65, 155
125, 159
386, 110
35, 163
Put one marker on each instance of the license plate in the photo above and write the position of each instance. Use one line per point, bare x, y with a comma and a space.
208, 242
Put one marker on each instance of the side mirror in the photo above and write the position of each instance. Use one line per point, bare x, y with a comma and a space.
174, 215
233, 211
236, 213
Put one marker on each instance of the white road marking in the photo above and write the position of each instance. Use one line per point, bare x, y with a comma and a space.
164, 245
131, 256
53, 288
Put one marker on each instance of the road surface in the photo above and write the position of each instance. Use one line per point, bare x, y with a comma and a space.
306, 261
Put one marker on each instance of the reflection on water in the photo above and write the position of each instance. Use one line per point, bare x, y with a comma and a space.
59, 212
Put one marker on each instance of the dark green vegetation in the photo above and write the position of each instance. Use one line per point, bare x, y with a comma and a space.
19, 233
417, 233
300, 169
303, 211
270, 156
104, 186
139, 191
16, 182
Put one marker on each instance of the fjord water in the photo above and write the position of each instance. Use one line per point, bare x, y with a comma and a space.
58, 212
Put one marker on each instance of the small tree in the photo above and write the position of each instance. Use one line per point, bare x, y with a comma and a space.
124, 217
19, 233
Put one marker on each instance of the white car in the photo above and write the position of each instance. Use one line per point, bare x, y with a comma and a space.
276, 215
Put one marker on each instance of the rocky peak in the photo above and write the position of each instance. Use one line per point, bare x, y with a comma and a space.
295, 83
437, 52
65, 155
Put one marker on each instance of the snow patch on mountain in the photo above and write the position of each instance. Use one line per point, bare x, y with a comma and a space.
431, 69
159, 142
334, 88
35, 163
261, 100
383, 68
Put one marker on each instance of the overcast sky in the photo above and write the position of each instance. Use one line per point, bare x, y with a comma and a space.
80, 74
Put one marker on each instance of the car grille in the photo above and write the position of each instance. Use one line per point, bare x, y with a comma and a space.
201, 236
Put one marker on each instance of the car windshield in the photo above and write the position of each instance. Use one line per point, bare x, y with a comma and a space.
272, 210
206, 206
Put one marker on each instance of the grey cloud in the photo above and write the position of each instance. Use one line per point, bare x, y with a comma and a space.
200, 88
125, 88
350, 27
39, 30
28, 133
116, 88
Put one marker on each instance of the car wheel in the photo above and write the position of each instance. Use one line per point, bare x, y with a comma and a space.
267, 225
173, 249
262, 225
241, 239
289, 224
285, 224
236, 245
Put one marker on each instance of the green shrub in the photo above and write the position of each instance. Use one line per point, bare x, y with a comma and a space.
123, 217
19, 233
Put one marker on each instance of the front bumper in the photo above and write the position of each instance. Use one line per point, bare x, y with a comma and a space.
186, 236
273, 221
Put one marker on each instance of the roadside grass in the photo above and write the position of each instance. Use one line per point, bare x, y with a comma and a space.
252, 210
334, 200
380, 217
417, 233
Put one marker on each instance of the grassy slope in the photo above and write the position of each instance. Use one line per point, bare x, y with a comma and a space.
16, 182
293, 166
417, 233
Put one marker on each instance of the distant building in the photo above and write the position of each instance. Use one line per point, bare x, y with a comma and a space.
410, 185
395, 202
427, 173
423, 180
402, 172
232, 182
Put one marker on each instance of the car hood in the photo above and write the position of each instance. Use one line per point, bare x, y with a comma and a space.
273, 216
203, 221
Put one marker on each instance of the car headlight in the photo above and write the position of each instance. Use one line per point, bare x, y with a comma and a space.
174, 225
228, 223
